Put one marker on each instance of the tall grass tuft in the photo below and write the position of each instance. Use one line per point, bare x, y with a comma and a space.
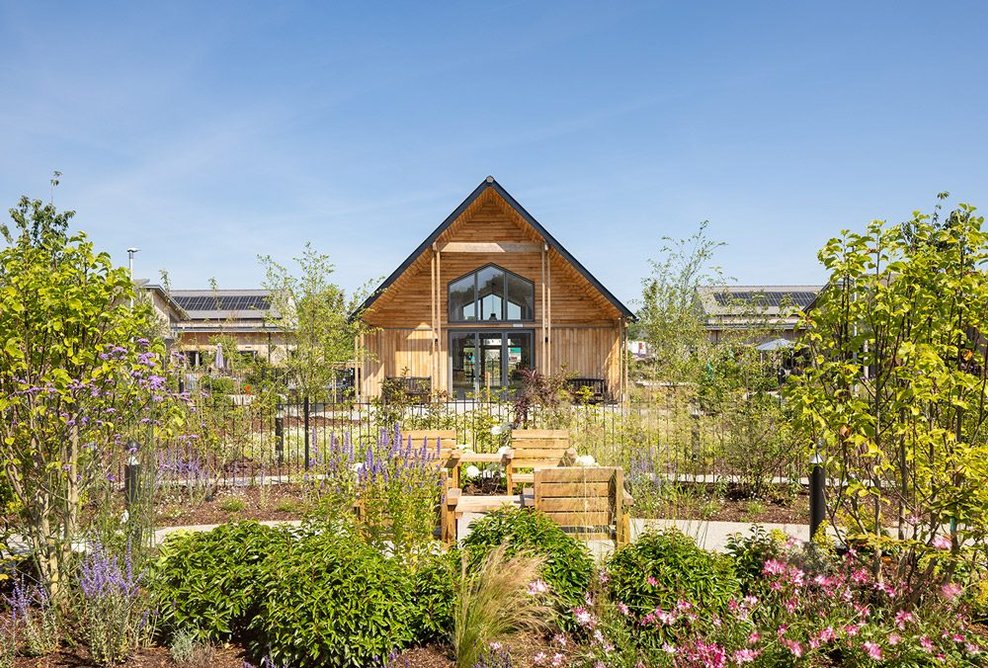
495, 603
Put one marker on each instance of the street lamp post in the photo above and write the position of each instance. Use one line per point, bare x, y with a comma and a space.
130, 263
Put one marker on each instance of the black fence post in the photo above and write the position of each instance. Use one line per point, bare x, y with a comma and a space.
305, 418
279, 436
818, 480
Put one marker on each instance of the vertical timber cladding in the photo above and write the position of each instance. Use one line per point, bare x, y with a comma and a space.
411, 316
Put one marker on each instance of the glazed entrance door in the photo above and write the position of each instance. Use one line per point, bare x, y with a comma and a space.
488, 360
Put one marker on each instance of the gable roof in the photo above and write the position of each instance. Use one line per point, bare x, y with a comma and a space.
491, 184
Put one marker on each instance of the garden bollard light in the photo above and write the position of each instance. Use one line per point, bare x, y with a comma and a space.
131, 472
817, 502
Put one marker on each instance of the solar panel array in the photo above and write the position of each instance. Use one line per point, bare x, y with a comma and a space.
765, 299
224, 302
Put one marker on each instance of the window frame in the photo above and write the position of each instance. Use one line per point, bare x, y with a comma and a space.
475, 273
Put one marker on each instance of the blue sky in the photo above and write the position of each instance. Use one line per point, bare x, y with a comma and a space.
209, 133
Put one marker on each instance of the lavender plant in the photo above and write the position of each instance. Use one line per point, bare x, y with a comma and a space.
399, 485
34, 621
114, 612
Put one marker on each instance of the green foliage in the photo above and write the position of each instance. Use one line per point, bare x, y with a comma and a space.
317, 311
751, 551
76, 378
894, 393
661, 569
669, 319
332, 600
207, 584
568, 567
433, 595
315, 596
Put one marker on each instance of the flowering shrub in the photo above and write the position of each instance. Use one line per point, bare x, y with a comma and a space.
568, 565
394, 483
663, 577
114, 615
803, 608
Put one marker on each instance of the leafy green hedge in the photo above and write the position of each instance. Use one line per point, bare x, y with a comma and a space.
206, 584
311, 597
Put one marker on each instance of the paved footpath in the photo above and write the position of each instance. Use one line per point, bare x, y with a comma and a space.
709, 535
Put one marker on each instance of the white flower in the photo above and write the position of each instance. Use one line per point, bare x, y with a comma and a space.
586, 460
496, 430
472, 472
503, 450
358, 467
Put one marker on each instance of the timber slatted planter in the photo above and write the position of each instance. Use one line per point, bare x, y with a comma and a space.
589, 502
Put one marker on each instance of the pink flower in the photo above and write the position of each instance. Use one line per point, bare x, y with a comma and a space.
794, 647
951, 590
754, 638
902, 618
623, 609
894, 639
745, 656
852, 629
583, 617
873, 650
926, 644
773, 567
652, 581
668, 649
537, 587
942, 542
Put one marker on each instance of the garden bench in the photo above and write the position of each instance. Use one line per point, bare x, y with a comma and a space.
589, 502
535, 449
593, 389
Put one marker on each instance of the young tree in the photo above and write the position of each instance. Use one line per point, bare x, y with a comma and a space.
317, 312
76, 380
895, 394
669, 319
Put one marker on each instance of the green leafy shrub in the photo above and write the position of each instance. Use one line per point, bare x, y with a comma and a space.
751, 551
568, 566
668, 571
433, 595
206, 584
331, 600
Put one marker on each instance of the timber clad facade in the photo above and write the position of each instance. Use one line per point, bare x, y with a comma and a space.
488, 294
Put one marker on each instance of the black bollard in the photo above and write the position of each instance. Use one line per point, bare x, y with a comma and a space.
132, 471
818, 479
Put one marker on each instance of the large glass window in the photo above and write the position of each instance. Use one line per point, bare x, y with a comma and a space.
491, 293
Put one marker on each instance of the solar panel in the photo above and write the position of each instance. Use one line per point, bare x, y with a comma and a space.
224, 302
767, 299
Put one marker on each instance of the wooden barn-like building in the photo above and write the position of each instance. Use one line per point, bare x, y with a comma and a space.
490, 292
